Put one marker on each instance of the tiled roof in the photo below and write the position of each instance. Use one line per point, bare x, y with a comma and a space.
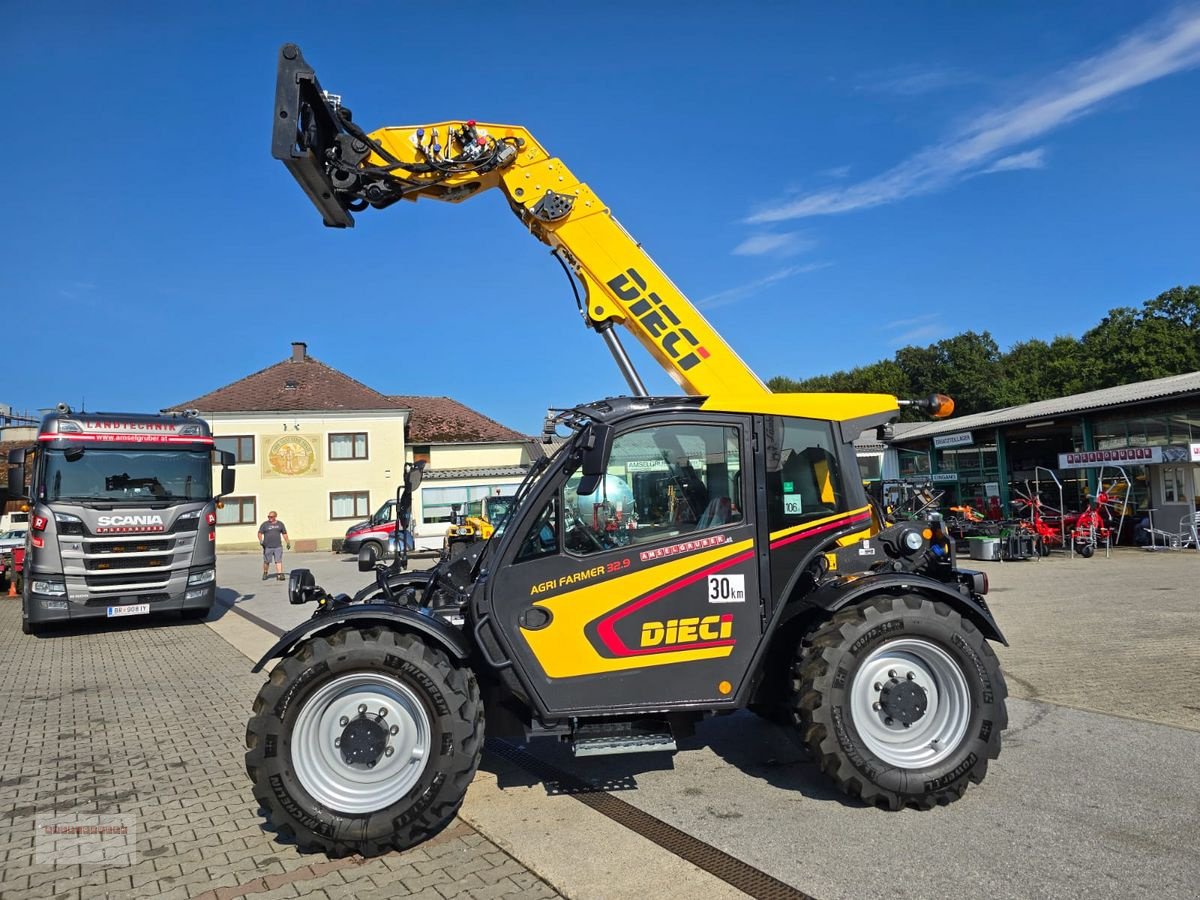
440, 420
298, 383
1123, 395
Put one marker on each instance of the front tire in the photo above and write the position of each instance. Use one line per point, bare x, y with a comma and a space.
364, 742
901, 701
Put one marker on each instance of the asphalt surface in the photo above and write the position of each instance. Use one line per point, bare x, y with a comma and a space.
1092, 795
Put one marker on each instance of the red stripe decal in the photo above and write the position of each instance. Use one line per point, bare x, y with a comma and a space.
617, 647
821, 529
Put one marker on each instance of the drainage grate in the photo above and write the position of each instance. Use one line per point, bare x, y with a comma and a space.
729, 869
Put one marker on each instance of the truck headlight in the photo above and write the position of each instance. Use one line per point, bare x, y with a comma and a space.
53, 588
205, 576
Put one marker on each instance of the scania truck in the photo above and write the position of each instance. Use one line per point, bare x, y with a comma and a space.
122, 516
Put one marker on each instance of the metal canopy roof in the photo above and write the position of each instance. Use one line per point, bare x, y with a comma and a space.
1126, 394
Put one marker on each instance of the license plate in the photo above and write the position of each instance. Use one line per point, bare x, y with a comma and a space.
131, 609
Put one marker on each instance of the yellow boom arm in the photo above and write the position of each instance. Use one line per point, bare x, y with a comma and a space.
344, 169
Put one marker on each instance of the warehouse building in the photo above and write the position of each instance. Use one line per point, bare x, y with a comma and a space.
1145, 435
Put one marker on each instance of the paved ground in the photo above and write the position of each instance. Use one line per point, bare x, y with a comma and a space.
1118, 635
146, 720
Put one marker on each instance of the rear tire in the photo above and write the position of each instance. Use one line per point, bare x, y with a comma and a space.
852, 696
354, 795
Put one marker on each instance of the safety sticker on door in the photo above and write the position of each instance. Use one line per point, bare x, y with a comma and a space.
726, 588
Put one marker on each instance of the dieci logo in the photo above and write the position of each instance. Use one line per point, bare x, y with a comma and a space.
693, 630
658, 319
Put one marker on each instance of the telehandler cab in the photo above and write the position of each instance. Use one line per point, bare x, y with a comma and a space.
743, 570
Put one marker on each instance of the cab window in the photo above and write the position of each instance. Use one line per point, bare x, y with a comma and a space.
542, 538
663, 481
804, 479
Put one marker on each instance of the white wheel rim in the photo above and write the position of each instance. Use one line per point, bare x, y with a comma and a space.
916, 667
360, 787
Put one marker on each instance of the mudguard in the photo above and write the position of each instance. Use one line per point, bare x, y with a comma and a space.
850, 588
384, 614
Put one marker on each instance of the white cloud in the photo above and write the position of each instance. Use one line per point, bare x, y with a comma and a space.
741, 292
1162, 48
919, 335
788, 244
910, 81
1030, 159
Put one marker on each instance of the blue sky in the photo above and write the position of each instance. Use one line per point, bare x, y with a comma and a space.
827, 182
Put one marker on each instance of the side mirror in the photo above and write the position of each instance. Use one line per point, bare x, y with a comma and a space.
366, 560
16, 475
596, 442
302, 587
227, 479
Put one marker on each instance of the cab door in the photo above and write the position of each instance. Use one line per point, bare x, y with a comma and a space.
644, 593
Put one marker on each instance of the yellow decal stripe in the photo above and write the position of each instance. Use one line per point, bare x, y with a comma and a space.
563, 649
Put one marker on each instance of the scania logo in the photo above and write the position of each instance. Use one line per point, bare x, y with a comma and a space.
129, 523
658, 319
106, 521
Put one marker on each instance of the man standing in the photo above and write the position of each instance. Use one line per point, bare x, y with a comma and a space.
272, 534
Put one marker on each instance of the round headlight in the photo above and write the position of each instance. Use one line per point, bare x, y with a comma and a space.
913, 540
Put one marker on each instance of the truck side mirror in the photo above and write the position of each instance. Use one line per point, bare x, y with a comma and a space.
227, 479
16, 475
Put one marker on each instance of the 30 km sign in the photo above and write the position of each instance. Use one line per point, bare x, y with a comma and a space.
726, 588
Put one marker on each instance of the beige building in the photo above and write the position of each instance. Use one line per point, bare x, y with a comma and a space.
325, 452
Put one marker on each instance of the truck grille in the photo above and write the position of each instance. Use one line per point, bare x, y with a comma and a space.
131, 546
114, 561
132, 562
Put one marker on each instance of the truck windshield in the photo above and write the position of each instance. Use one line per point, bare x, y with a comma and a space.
126, 476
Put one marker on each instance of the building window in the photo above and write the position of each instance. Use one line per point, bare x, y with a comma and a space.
240, 445
237, 511
350, 505
1173, 481
348, 446
437, 504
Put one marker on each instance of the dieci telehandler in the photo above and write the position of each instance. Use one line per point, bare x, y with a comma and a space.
679, 557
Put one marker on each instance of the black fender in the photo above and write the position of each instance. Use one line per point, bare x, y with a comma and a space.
387, 615
846, 589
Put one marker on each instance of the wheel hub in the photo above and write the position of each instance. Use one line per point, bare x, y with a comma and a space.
363, 741
903, 701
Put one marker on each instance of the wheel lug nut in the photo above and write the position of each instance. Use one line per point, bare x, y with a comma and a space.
910, 676
362, 707
383, 709
878, 686
877, 706
343, 721
891, 673
389, 751
908, 725
337, 742
889, 721
395, 729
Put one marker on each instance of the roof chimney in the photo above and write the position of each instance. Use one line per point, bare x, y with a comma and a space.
299, 351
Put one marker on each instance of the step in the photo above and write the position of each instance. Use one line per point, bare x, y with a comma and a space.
612, 738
